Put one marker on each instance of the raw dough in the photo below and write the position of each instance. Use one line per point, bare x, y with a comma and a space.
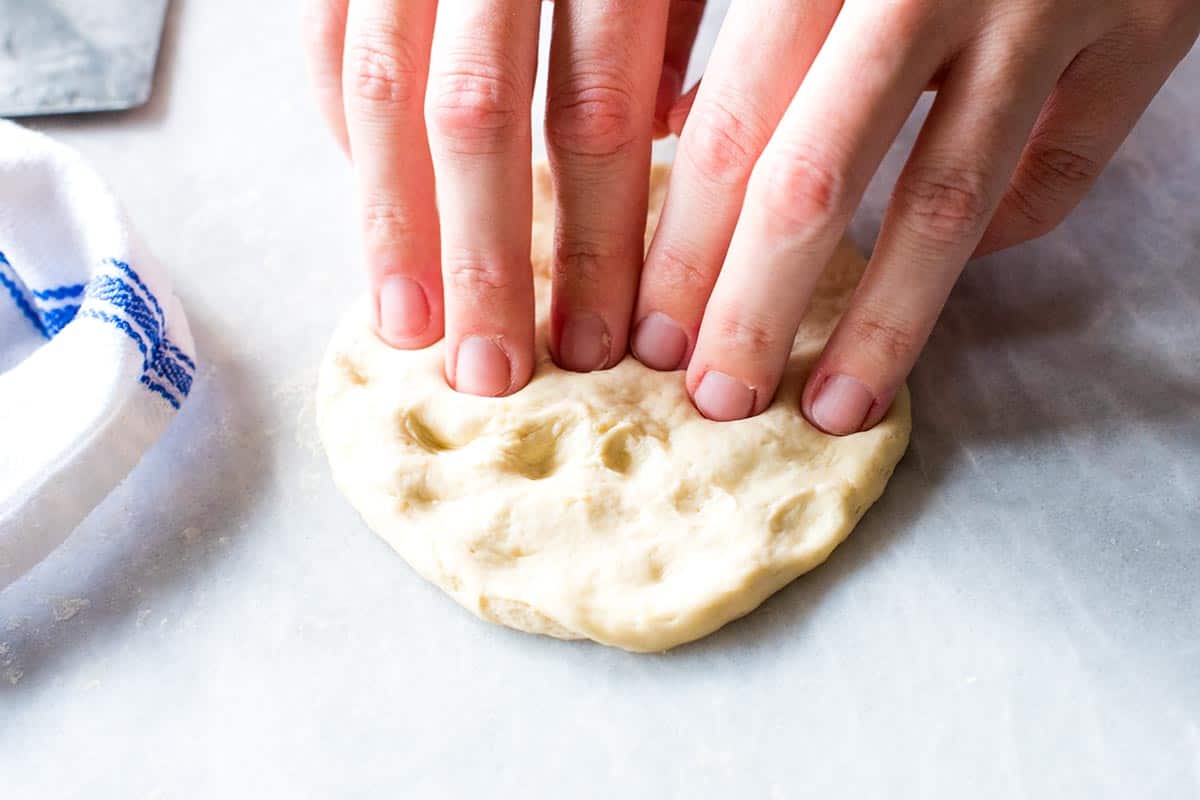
599, 505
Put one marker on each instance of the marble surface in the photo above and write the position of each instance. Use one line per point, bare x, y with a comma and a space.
1018, 617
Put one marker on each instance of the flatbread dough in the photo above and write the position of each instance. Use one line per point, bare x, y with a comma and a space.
598, 505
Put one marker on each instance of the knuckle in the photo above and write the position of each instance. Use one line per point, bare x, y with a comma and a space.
1026, 215
1050, 181
947, 204
753, 336
475, 108
476, 277
799, 190
382, 70
591, 116
388, 222
677, 272
723, 142
886, 339
1060, 169
581, 265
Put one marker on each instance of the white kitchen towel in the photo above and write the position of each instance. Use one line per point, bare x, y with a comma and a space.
95, 352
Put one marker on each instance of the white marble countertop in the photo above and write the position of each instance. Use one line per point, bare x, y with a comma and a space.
1018, 617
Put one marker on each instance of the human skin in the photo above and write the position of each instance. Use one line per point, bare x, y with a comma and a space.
799, 104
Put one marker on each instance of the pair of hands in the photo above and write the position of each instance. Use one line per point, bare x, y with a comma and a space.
800, 102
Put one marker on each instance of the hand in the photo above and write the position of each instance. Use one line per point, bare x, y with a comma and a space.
460, 266
801, 101
778, 144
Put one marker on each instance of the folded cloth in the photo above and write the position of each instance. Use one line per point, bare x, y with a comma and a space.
95, 352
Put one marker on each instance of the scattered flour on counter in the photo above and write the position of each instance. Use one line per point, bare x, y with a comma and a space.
68, 607
296, 391
306, 428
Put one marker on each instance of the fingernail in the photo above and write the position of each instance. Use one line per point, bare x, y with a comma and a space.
659, 343
669, 87
584, 343
482, 368
403, 308
879, 410
723, 398
841, 405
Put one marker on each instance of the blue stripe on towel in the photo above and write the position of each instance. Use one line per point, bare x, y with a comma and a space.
182, 356
131, 308
158, 389
17, 293
175, 373
133, 276
116, 292
61, 292
55, 319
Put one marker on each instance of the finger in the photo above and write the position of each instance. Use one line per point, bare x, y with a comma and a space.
603, 66
384, 75
1090, 113
324, 26
683, 23
751, 78
478, 107
940, 206
800, 198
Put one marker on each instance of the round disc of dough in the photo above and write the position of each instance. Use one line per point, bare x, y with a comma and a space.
598, 505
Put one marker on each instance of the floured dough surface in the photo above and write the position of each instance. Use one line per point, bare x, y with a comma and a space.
598, 505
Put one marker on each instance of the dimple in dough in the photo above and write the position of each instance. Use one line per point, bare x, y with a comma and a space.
598, 505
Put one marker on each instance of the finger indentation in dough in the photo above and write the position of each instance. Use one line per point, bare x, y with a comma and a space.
617, 446
533, 448
789, 512
422, 434
353, 371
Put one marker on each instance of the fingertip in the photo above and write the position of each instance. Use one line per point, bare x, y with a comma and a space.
841, 405
482, 368
724, 398
403, 314
659, 342
879, 410
584, 344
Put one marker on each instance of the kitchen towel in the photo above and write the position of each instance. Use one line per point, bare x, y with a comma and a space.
95, 353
